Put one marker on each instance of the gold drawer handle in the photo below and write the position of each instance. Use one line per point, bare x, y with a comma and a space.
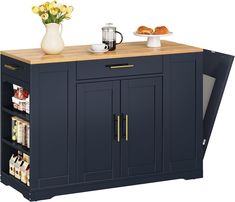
120, 66
127, 127
10, 67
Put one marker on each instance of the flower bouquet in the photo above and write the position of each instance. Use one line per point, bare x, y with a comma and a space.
52, 15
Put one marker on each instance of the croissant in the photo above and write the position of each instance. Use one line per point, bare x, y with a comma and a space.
161, 30
144, 30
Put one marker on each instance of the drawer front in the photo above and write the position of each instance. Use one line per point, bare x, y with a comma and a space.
15, 68
119, 67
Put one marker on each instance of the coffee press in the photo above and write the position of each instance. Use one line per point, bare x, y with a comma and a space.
109, 33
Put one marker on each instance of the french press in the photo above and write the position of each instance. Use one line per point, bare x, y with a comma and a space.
109, 36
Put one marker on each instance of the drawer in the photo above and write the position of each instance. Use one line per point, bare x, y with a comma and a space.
94, 69
15, 68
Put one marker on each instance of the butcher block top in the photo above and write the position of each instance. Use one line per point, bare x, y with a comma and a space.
81, 53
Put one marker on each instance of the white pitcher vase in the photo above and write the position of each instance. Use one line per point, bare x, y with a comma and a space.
52, 42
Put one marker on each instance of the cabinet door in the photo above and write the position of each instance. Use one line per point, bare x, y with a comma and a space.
141, 100
217, 66
98, 155
50, 125
182, 112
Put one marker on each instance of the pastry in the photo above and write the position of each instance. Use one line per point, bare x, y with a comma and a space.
161, 30
144, 30
141, 28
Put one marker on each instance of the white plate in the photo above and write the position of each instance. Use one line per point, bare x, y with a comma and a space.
102, 51
153, 35
153, 40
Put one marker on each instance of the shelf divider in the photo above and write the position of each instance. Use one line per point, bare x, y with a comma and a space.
16, 146
14, 112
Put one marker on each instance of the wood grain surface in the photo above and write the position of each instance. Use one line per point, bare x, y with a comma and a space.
81, 53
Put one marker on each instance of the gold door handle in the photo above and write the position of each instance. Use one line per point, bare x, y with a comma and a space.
118, 128
121, 66
10, 67
127, 127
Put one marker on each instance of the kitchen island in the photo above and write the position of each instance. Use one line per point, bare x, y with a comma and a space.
131, 116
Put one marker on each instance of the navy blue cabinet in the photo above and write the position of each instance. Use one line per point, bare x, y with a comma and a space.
98, 151
50, 125
141, 107
115, 122
119, 129
183, 112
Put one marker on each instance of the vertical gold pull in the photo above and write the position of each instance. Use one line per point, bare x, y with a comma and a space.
118, 128
127, 127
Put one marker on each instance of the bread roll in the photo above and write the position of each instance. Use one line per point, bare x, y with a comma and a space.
161, 30
144, 30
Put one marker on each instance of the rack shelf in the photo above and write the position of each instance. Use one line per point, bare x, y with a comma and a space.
15, 183
16, 146
14, 112
13, 179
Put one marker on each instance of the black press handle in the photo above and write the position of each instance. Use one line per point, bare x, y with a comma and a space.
121, 36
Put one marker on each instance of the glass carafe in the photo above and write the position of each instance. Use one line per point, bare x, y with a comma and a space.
109, 33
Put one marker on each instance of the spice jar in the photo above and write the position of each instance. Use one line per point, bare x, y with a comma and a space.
19, 93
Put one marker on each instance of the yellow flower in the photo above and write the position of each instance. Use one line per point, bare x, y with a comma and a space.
63, 8
70, 9
44, 16
54, 11
46, 4
35, 9
42, 8
54, 4
68, 16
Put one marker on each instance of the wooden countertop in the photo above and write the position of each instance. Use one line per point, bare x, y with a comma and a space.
81, 53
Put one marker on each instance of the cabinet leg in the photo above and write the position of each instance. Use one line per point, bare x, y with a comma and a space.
2, 181
190, 178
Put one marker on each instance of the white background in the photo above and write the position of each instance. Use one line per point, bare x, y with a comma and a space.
207, 24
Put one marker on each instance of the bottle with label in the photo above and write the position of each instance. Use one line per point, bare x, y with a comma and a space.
14, 128
18, 165
28, 176
24, 169
19, 132
12, 162
27, 105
